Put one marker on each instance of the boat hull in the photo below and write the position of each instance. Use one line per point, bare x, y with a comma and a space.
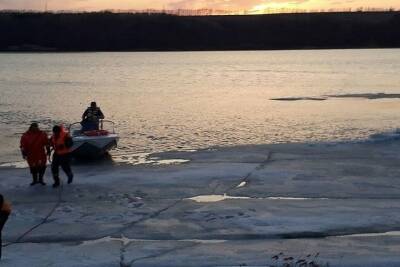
88, 147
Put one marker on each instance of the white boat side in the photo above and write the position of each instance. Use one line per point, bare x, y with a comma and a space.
97, 141
93, 143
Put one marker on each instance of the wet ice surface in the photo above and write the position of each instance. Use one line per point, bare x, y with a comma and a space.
214, 198
132, 159
17, 164
224, 206
145, 158
369, 96
306, 98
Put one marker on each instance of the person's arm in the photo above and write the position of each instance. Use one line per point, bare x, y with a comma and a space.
51, 143
84, 114
101, 115
22, 147
69, 142
48, 150
46, 142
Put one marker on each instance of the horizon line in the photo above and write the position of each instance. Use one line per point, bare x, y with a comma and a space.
208, 11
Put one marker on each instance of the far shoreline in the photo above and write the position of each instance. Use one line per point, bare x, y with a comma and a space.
131, 32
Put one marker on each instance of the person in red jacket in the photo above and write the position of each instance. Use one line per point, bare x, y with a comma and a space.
34, 145
5, 210
61, 142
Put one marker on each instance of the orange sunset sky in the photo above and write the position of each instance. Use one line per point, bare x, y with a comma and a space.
250, 5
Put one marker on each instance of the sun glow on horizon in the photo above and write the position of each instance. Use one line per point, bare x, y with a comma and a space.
229, 6
272, 7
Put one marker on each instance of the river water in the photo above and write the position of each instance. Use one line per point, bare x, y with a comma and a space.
191, 100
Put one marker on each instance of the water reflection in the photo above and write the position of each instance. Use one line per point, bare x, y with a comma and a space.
181, 101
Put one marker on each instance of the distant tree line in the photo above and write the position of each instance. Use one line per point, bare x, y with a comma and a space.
217, 12
106, 31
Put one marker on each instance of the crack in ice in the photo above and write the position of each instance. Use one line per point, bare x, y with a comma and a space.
161, 253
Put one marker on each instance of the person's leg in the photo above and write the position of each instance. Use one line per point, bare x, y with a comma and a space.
3, 219
66, 166
34, 172
55, 164
42, 171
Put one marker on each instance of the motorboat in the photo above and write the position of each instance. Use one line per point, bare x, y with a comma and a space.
93, 143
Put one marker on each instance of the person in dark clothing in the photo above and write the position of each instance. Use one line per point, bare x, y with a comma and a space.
61, 142
5, 210
91, 118
34, 145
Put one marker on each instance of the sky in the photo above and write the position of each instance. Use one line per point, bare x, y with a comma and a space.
229, 5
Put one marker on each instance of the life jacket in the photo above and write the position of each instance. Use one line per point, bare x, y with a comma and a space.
59, 144
93, 114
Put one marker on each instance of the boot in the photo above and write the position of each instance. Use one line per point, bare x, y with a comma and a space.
41, 174
56, 182
70, 178
34, 178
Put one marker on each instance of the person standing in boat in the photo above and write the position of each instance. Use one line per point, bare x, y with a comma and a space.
34, 145
91, 118
5, 210
61, 142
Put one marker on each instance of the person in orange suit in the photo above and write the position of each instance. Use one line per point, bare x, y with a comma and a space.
61, 142
5, 210
34, 146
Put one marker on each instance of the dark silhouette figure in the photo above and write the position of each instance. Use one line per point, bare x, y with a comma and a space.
61, 142
34, 146
91, 118
5, 210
